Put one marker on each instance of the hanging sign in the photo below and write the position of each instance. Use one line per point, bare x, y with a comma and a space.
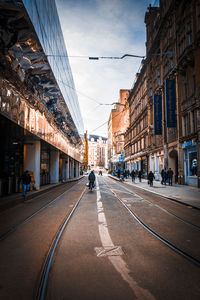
157, 107
170, 103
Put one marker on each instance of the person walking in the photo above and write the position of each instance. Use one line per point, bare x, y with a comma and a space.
151, 177
26, 180
118, 173
170, 174
91, 179
133, 175
164, 176
140, 176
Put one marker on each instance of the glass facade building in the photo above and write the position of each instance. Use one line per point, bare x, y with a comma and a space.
44, 17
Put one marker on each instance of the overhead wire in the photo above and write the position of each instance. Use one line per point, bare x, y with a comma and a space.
107, 121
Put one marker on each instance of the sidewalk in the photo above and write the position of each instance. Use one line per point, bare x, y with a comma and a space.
13, 199
180, 193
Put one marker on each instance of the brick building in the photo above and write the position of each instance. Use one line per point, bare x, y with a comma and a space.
172, 76
117, 125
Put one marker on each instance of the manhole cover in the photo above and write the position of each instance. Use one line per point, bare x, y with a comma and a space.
109, 251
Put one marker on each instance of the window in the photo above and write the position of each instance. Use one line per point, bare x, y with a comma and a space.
159, 82
185, 124
193, 84
193, 120
189, 34
193, 163
170, 31
172, 62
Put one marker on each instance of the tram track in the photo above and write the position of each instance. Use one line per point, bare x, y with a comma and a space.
166, 210
24, 221
42, 285
162, 239
162, 196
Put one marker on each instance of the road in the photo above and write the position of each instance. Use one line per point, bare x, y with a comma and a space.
105, 251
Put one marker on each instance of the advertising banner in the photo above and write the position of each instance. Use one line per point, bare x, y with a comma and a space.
170, 91
157, 107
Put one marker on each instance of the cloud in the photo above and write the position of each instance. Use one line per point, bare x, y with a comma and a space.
102, 28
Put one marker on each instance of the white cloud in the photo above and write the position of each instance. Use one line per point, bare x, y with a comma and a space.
102, 28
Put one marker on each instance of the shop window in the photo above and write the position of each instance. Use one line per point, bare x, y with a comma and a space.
193, 164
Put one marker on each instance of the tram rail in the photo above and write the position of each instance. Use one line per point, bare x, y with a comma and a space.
167, 211
162, 239
18, 225
162, 196
41, 290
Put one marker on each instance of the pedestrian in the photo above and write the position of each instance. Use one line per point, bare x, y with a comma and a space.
128, 173
170, 176
151, 177
133, 175
140, 176
118, 173
164, 176
124, 174
26, 179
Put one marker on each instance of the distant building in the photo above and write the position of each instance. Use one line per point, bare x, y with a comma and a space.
117, 125
97, 151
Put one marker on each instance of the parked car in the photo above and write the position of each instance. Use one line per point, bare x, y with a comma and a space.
85, 172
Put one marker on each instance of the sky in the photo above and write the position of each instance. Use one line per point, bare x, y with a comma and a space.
102, 28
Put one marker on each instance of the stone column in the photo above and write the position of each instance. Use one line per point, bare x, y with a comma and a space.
156, 167
67, 168
72, 168
54, 166
63, 169
32, 160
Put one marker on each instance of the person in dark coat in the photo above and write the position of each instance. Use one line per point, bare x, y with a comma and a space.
26, 180
164, 176
151, 177
118, 173
140, 176
170, 174
133, 175
91, 179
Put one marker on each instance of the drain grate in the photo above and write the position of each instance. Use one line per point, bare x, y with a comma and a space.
109, 251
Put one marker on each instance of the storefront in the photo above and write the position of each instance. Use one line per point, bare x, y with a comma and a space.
190, 163
156, 163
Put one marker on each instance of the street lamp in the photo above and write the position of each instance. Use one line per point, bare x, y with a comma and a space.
130, 55
115, 57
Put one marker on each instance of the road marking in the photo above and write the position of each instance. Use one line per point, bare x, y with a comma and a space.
117, 261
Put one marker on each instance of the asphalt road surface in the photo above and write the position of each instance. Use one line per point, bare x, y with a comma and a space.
104, 252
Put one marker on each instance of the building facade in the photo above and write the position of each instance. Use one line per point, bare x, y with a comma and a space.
117, 124
97, 149
40, 119
137, 136
173, 97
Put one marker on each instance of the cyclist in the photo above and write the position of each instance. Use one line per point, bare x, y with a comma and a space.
91, 179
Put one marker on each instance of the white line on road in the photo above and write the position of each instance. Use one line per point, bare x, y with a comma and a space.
117, 261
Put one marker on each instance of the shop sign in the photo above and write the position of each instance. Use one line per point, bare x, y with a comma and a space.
170, 103
188, 144
157, 104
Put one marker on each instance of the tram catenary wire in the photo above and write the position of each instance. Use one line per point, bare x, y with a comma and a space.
41, 291
186, 255
14, 228
166, 211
